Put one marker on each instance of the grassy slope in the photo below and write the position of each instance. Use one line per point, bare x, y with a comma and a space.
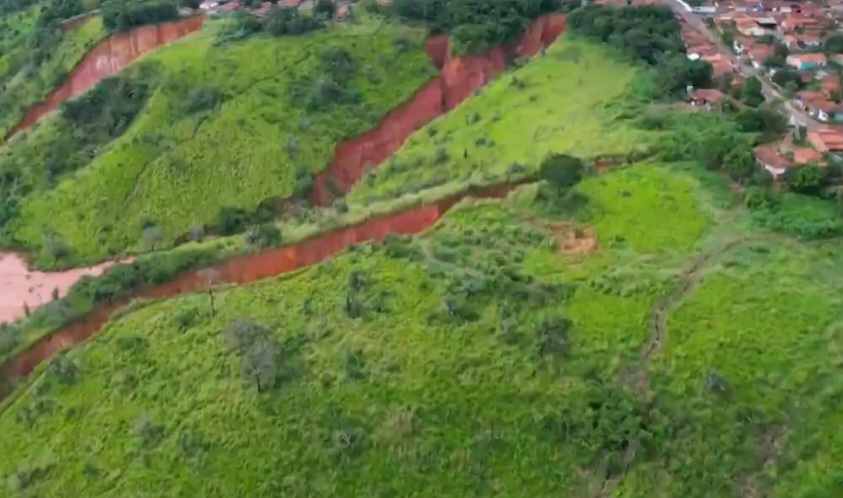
25, 88
179, 169
423, 431
558, 102
406, 401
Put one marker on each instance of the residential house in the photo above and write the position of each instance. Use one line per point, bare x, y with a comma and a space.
806, 155
826, 140
796, 23
820, 107
720, 64
830, 84
802, 42
759, 53
705, 97
807, 61
756, 26
768, 157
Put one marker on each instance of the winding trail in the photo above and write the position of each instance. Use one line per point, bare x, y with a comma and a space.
689, 278
459, 77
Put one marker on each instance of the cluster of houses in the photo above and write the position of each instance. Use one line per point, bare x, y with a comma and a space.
755, 28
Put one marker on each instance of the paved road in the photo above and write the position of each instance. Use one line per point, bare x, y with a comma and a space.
796, 114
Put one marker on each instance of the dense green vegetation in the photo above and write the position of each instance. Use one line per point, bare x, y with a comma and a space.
512, 123
120, 16
35, 56
474, 25
250, 131
650, 330
649, 34
504, 343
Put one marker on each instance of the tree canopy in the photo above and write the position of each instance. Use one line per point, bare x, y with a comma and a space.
478, 23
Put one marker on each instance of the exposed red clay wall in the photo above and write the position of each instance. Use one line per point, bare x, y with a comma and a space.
106, 58
459, 78
250, 267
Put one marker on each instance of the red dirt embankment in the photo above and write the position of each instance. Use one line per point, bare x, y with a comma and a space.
104, 59
248, 268
460, 77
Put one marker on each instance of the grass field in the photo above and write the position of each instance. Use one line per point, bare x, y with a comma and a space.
562, 101
239, 138
474, 359
27, 84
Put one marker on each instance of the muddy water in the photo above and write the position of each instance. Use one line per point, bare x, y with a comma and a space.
106, 58
250, 267
21, 287
459, 77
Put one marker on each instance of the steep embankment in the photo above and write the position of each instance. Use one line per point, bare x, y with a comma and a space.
460, 76
350, 160
105, 59
248, 268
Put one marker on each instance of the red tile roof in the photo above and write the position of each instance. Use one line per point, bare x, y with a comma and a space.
769, 156
707, 94
826, 139
804, 155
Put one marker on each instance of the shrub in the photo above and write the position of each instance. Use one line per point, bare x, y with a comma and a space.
120, 16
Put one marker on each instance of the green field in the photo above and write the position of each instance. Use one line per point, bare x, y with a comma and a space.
566, 100
474, 359
224, 125
26, 83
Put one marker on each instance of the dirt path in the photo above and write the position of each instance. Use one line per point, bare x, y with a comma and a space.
689, 277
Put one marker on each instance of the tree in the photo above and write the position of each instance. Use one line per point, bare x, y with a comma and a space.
834, 44
739, 164
210, 277
805, 178
786, 75
325, 9
263, 235
152, 236
751, 93
257, 352
562, 171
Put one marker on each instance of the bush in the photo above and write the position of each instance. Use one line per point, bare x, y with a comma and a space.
289, 21
120, 16
562, 171
264, 235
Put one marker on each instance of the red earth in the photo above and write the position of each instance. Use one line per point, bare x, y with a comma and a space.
106, 58
20, 287
460, 76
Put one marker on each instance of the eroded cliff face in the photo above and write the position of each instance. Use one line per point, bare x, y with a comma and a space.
459, 77
248, 268
106, 58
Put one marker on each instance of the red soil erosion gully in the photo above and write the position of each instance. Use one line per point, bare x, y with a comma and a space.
457, 80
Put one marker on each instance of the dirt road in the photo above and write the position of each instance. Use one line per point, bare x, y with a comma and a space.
797, 116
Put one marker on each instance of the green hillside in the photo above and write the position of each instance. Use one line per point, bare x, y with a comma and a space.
30, 66
475, 359
224, 125
645, 315
566, 100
